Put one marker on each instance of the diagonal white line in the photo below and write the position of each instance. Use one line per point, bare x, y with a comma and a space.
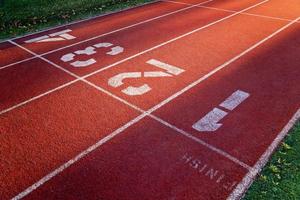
250, 176
109, 33
144, 114
126, 59
231, 11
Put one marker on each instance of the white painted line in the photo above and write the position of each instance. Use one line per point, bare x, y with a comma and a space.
77, 158
242, 187
174, 39
114, 31
234, 100
63, 35
198, 140
196, 5
232, 11
221, 66
128, 58
60, 32
83, 20
102, 141
37, 39
169, 68
38, 96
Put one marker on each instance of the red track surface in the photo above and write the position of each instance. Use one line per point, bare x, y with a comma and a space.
73, 132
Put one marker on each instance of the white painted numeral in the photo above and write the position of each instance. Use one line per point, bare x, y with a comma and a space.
117, 80
90, 51
210, 122
54, 37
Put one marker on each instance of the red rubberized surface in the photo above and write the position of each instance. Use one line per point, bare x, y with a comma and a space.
28, 79
283, 9
140, 38
197, 54
274, 96
39, 137
148, 161
223, 4
92, 28
46, 121
10, 53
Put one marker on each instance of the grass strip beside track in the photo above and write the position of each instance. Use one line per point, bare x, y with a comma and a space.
26, 16
280, 179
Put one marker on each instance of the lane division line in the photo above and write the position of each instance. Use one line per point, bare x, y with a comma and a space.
108, 33
243, 186
121, 61
144, 114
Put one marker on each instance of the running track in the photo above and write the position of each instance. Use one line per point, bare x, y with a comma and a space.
172, 100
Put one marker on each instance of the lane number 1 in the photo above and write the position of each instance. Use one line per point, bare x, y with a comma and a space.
210, 122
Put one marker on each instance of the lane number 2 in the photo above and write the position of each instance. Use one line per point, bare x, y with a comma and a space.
169, 70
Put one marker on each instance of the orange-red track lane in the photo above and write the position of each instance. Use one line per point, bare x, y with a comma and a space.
133, 40
149, 160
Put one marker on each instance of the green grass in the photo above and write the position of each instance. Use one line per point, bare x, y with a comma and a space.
18, 17
280, 179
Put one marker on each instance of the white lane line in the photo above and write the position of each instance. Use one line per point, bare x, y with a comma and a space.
175, 39
83, 20
139, 109
242, 187
102, 141
18, 62
126, 59
77, 158
111, 32
231, 11
196, 5
198, 140
222, 66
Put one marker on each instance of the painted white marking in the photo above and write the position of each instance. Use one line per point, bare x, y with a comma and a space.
83, 63
62, 35
234, 100
93, 147
241, 188
133, 91
156, 74
60, 32
104, 44
56, 39
67, 36
37, 39
68, 57
90, 50
169, 68
86, 51
190, 6
115, 51
210, 121
117, 80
